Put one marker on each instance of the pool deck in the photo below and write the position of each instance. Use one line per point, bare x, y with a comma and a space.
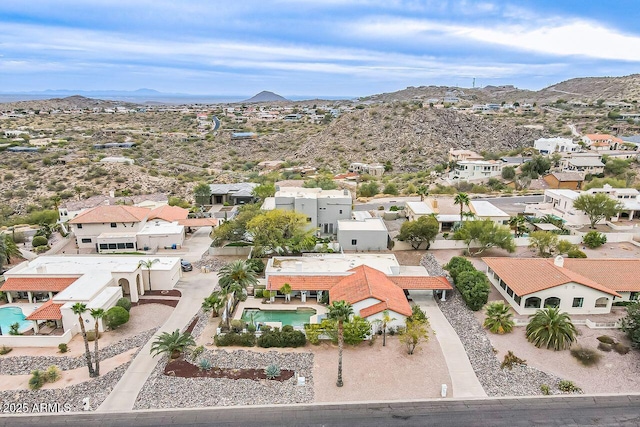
279, 304
27, 309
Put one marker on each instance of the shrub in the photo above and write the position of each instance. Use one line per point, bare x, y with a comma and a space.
196, 352
204, 364
551, 328
272, 372
238, 325
586, 356
457, 265
511, 359
606, 339
251, 328
39, 241
313, 333
593, 239
63, 348
568, 387
287, 337
41, 249
124, 303
474, 288
243, 340
256, 264
91, 335
545, 389
116, 316
14, 329
605, 347
37, 380
621, 348
499, 318
5, 350
52, 374
258, 293
576, 253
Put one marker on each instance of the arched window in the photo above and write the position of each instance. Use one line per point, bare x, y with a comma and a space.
602, 302
532, 302
552, 302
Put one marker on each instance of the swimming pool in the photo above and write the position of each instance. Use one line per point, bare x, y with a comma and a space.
297, 317
11, 315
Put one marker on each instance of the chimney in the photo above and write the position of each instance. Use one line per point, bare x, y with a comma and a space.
112, 193
558, 261
434, 203
299, 266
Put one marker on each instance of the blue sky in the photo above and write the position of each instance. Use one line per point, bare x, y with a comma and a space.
311, 47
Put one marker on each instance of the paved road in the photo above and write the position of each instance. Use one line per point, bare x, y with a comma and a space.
619, 411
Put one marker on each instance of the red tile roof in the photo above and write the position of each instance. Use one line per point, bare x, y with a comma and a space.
111, 213
367, 282
303, 283
37, 284
421, 282
48, 311
528, 275
373, 309
168, 213
621, 275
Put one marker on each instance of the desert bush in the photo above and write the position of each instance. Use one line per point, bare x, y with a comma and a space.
124, 303
116, 316
196, 352
606, 339
5, 350
37, 380
586, 356
232, 338
287, 337
511, 359
39, 241
620, 348
457, 265
91, 335
593, 239
568, 387
576, 253
41, 249
205, 364
272, 372
52, 374
257, 293
602, 346
545, 389
238, 325
63, 348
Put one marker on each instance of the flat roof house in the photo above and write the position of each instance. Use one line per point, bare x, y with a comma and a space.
555, 145
566, 180
368, 234
233, 194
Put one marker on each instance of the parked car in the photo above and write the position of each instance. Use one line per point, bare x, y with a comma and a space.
186, 265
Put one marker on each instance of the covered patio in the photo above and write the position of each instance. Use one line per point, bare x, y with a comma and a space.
47, 319
34, 289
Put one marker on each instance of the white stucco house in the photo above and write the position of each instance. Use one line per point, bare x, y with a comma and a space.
371, 283
369, 234
48, 286
577, 286
555, 145
476, 170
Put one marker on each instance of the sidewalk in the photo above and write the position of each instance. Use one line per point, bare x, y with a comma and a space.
194, 289
463, 379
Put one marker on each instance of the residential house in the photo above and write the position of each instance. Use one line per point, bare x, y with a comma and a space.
375, 169
476, 170
56, 283
368, 234
567, 180
555, 145
323, 208
602, 142
371, 283
70, 209
587, 164
447, 214
232, 194
576, 286
628, 197
460, 155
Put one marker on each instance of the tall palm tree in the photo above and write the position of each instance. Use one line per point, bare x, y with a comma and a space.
80, 308
517, 224
340, 311
214, 303
463, 200
97, 314
239, 272
148, 264
173, 343
384, 322
498, 318
551, 328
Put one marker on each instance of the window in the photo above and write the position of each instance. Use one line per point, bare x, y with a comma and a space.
129, 245
354, 242
308, 219
517, 299
552, 302
577, 302
79, 226
120, 245
114, 225
103, 246
633, 296
86, 240
509, 291
532, 302
602, 302
340, 210
112, 246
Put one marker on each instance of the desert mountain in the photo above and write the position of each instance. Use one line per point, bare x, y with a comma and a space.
265, 96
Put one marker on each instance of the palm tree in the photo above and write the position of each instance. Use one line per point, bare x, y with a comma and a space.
8, 249
238, 272
148, 264
461, 199
498, 318
551, 328
517, 224
80, 308
173, 344
384, 322
214, 303
97, 314
423, 191
340, 311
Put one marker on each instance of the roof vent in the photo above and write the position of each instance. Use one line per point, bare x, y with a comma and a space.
558, 261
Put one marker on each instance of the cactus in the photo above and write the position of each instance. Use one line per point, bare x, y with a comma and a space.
272, 372
205, 364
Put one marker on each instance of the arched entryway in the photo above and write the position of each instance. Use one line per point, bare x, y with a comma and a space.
553, 302
124, 284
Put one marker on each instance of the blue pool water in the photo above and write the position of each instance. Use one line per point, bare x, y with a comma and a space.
11, 315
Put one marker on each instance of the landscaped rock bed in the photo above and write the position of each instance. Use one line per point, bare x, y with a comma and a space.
23, 365
522, 380
68, 398
165, 391
184, 369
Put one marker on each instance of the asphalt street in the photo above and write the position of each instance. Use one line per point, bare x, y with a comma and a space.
498, 412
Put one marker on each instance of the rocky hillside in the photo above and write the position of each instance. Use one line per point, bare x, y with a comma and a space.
68, 103
594, 88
